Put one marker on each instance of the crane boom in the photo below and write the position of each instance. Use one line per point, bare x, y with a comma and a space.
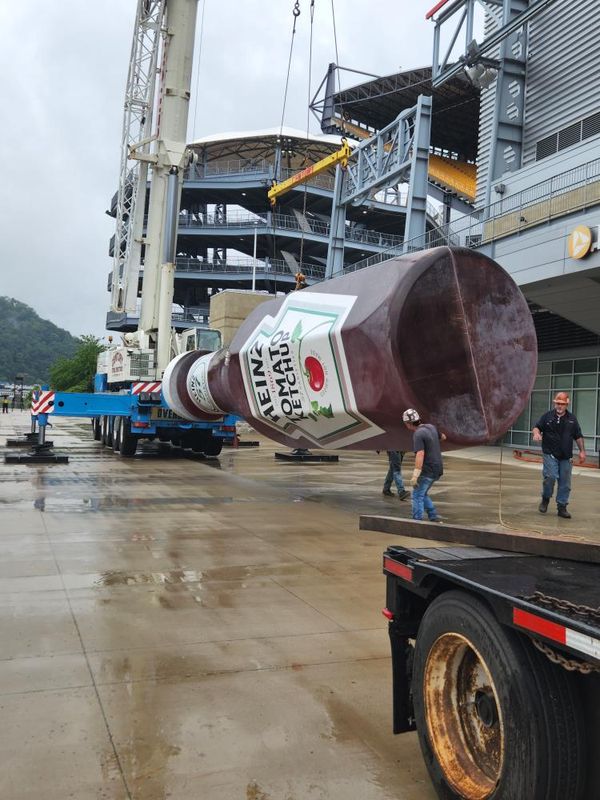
137, 126
167, 177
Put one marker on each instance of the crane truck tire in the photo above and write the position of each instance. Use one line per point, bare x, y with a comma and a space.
496, 720
127, 441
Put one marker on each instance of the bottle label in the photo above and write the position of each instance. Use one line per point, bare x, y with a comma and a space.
296, 373
197, 385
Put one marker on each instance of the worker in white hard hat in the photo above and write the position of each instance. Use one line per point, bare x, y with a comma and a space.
428, 464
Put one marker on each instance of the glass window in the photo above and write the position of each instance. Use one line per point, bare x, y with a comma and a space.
586, 365
562, 383
560, 367
584, 408
540, 403
522, 423
544, 368
520, 438
542, 382
585, 381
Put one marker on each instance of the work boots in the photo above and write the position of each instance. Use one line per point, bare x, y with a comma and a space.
562, 512
543, 506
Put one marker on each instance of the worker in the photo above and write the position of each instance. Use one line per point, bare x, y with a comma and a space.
300, 281
394, 473
428, 464
5, 404
557, 430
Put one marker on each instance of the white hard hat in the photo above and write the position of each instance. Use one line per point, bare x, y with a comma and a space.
410, 415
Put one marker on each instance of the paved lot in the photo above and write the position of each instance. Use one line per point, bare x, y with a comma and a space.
173, 627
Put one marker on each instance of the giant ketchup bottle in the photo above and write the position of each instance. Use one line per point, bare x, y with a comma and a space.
445, 331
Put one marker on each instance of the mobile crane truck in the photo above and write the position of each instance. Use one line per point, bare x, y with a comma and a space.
127, 404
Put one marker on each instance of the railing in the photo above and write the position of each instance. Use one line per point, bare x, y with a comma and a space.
279, 222
274, 267
233, 167
573, 190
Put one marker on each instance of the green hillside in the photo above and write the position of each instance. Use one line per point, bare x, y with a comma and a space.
29, 345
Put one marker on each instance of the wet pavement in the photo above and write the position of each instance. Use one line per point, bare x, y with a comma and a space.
180, 627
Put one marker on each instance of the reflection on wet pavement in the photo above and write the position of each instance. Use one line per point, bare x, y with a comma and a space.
179, 627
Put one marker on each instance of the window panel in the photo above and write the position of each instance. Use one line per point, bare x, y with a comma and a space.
540, 403
561, 367
520, 438
544, 367
586, 365
562, 383
522, 422
585, 381
584, 408
542, 382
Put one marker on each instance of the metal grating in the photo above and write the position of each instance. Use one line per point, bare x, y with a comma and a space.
553, 331
590, 126
567, 137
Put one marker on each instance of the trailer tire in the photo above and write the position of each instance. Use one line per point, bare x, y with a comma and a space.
496, 720
213, 446
128, 442
97, 429
104, 431
116, 438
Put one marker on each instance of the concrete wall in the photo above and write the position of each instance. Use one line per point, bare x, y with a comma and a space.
230, 308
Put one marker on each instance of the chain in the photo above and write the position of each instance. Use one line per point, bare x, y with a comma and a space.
570, 664
564, 605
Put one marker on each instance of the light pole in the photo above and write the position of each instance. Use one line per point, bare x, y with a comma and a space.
254, 258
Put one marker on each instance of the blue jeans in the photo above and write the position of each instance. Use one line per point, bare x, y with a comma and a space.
421, 501
557, 469
394, 474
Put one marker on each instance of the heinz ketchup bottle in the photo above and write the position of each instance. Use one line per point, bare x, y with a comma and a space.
445, 331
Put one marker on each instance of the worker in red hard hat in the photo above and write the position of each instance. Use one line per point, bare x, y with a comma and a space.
557, 430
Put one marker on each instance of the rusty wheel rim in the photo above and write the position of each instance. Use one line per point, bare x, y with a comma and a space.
463, 716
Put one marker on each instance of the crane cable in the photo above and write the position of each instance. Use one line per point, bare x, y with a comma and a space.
502, 523
295, 15
310, 51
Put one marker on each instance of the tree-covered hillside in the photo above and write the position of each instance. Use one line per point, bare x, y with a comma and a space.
30, 345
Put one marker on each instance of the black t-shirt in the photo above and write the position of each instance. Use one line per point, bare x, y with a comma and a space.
558, 433
427, 438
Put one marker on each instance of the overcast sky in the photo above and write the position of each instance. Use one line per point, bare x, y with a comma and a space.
64, 66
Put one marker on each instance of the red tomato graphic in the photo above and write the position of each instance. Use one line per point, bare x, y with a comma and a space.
315, 373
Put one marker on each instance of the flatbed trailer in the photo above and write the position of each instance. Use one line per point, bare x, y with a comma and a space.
121, 419
496, 665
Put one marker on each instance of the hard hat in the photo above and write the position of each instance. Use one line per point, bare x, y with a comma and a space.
410, 415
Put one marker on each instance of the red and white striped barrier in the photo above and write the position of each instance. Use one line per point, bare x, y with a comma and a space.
152, 386
43, 404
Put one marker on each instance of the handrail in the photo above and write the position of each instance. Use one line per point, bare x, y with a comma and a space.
274, 222
275, 267
573, 190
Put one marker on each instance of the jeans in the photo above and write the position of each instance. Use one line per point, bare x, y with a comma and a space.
394, 474
557, 469
421, 501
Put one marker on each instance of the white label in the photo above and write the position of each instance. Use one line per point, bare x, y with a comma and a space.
296, 375
197, 384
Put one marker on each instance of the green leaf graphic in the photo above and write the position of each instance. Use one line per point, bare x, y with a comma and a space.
315, 406
297, 332
326, 412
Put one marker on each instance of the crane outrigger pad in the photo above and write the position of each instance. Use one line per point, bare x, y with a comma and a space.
306, 455
552, 545
25, 442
